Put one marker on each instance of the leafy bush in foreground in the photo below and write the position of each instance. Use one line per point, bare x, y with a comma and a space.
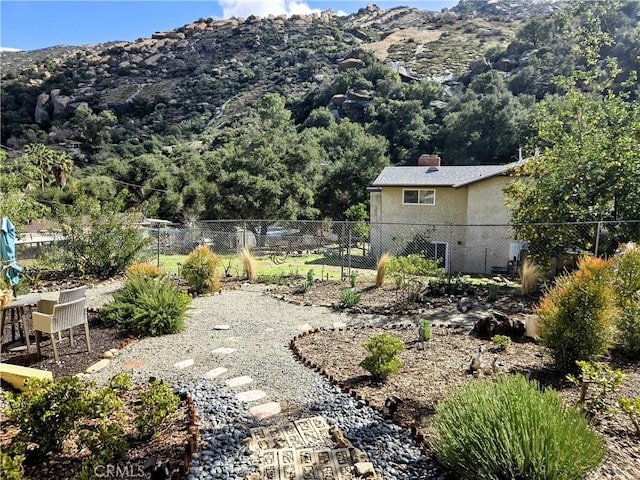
511, 429
626, 281
147, 306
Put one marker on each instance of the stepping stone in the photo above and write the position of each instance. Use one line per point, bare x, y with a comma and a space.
237, 381
98, 365
131, 364
184, 364
216, 372
265, 410
221, 327
251, 395
224, 350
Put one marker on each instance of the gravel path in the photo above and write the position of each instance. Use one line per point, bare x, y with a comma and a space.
255, 330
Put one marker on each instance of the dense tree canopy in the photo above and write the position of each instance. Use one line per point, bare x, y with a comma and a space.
587, 169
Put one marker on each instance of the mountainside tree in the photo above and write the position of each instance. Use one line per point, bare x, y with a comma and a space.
264, 169
352, 159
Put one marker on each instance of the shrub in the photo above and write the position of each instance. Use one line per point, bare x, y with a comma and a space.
147, 306
502, 341
144, 269
49, 411
381, 269
632, 408
349, 298
408, 271
529, 277
353, 279
249, 264
626, 279
382, 363
156, 404
508, 428
424, 329
604, 379
11, 465
577, 316
105, 247
199, 269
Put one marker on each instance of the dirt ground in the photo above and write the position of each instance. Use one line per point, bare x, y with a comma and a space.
434, 369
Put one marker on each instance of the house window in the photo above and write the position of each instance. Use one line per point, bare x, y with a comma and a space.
418, 197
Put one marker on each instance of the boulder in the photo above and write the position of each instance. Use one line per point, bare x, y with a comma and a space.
60, 103
499, 323
350, 63
338, 99
41, 114
480, 66
505, 65
465, 304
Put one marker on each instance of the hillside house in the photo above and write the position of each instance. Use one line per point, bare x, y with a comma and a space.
452, 213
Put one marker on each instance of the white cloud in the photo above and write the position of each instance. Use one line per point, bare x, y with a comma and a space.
9, 49
262, 8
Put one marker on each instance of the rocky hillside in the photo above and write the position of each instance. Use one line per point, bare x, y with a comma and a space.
220, 67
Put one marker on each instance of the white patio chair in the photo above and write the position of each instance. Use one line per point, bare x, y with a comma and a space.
65, 296
65, 316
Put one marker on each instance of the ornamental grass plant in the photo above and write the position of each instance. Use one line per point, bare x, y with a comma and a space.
249, 264
510, 429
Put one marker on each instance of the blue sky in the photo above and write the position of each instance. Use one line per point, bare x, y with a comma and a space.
29, 25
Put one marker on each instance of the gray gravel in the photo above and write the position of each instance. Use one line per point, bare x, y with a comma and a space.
260, 328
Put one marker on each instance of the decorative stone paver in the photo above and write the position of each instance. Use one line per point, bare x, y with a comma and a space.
184, 364
131, 364
224, 351
304, 449
216, 372
251, 395
238, 381
265, 410
98, 366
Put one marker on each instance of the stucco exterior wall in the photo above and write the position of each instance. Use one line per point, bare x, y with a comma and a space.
458, 219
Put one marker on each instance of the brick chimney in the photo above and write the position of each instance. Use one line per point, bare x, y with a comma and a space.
429, 160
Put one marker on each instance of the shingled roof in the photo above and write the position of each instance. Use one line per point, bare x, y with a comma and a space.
443, 176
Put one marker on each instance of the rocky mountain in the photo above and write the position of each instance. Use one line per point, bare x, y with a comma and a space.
219, 67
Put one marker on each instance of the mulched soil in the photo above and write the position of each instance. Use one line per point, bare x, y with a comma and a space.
73, 359
167, 449
431, 373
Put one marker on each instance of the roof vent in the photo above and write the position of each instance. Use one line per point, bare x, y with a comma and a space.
429, 160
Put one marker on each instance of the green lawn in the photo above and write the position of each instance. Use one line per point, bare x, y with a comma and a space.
292, 265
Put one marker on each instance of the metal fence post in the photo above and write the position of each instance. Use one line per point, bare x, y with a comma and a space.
341, 256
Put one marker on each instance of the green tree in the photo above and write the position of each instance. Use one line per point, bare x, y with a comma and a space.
51, 165
352, 159
264, 169
588, 169
487, 124
93, 130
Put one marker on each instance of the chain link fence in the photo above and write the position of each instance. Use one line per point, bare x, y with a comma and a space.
475, 249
